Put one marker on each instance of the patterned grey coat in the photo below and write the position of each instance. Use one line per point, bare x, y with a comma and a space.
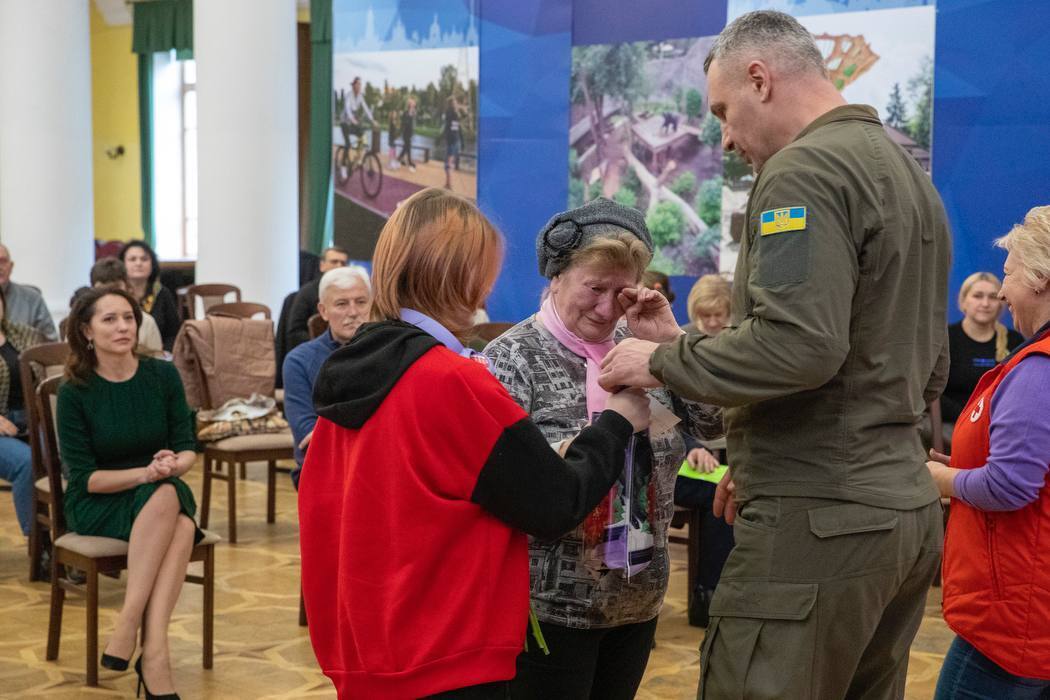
570, 584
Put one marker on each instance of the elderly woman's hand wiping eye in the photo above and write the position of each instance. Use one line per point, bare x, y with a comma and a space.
649, 315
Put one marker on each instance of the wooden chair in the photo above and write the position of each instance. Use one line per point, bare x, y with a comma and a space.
690, 517
34, 365
98, 555
484, 333
316, 326
490, 331
223, 457
936, 425
240, 309
210, 295
183, 304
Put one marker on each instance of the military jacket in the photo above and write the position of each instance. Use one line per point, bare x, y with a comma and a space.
839, 336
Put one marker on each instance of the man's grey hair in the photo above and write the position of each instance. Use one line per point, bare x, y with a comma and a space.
776, 36
344, 278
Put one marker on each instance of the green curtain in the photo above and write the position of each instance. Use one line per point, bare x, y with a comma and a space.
319, 164
158, 26
146, 147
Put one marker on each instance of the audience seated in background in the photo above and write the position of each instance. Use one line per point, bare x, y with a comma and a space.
305, 304
708, 307
346, 301
111, 272
422, 474
708, 304
976, 343
143, 269
24, 304
16, 461
126, 437
597, 589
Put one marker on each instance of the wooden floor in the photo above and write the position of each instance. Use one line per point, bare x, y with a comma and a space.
260, 651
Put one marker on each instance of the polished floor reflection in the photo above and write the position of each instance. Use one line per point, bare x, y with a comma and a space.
260, 651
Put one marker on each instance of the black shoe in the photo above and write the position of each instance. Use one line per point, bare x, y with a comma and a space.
114, 663
699, 615
142, 684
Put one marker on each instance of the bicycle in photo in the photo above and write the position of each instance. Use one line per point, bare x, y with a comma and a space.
362, 159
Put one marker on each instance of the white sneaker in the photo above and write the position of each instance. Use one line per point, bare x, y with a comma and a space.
411, 168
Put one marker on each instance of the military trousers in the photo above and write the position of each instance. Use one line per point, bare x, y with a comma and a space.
819, 599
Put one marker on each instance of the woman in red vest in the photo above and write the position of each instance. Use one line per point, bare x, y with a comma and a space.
996, 574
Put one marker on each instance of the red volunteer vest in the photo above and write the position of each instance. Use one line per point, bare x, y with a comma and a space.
996, 573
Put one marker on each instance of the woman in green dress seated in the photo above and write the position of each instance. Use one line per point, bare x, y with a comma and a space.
126, 437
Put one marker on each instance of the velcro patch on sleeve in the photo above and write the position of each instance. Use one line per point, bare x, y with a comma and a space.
781, 220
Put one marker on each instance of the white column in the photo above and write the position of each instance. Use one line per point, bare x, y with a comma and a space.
248, 232
46, 197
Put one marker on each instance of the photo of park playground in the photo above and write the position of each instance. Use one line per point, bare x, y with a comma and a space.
404, 120
641, 134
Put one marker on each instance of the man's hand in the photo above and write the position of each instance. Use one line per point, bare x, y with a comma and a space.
7, 428
725, 499
306, 440
649, 315
627, 364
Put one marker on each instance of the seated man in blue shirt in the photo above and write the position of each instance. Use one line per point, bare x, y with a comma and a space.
345, 301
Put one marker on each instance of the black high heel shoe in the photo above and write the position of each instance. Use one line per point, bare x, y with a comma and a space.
142, 684
114, 663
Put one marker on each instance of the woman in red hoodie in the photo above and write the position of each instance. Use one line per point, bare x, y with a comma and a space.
424, 475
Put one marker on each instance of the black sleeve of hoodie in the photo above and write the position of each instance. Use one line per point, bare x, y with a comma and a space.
525, 483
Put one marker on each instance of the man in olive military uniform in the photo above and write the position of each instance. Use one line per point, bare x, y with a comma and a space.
839, 341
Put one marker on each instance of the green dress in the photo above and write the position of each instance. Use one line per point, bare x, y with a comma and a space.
121, 425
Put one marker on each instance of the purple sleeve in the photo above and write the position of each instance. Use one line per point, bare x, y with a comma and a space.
1020, 442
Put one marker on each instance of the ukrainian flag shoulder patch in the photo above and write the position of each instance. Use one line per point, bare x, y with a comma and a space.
781, 220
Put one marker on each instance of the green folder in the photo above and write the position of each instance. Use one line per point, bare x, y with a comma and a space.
714, 477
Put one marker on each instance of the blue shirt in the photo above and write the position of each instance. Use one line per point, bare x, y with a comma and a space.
300, 370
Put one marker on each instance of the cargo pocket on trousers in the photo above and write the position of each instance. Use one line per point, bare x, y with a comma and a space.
850, 519
771, 618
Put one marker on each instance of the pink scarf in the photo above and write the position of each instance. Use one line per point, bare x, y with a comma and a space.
593, 352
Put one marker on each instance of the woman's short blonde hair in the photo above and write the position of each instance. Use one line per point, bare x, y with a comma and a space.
973, 279
1030, 242
613, 249
710, 294
437, 254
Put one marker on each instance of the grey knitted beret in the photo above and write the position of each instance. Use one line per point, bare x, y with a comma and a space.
573, 229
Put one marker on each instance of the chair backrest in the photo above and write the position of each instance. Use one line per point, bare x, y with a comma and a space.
36, 364
220, 358
490, 331
46, 397
182, 301
316, 325
240, 309
210, 295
